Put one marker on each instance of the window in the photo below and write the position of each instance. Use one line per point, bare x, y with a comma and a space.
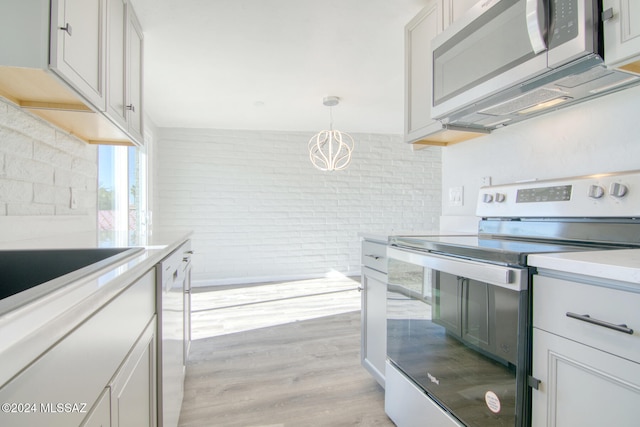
122, 196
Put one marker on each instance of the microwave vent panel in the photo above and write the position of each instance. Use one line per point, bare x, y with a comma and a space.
524, 101
584, 78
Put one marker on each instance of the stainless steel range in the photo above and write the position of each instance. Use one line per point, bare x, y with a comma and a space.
458, 307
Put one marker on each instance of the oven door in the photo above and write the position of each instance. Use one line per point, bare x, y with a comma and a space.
459, 330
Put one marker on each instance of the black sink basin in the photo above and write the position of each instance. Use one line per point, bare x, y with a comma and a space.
21, 270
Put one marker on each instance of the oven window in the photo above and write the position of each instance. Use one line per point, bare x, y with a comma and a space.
457, 339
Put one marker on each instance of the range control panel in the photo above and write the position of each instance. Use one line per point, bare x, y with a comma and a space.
592, 196
556, 193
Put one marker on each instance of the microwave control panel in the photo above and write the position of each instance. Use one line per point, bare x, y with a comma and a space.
564, 21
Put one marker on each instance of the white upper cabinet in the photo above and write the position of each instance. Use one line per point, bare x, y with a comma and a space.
78, 34
117, 25
134, 104
418, 68
124, 58
622, 34
75, 63
429, 22
454, 9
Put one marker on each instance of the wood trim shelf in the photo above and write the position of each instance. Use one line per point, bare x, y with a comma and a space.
43, 94
445, 138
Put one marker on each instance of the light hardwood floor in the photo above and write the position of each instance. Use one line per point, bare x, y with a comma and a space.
279, 355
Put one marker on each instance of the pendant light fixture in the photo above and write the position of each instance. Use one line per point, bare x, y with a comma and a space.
330, 150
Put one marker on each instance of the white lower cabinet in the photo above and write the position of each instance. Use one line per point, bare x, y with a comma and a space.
586, 352
65, 386
374, 325
582, 386
174, 331
373, 345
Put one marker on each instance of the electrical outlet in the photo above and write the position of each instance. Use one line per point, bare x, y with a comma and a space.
456, 196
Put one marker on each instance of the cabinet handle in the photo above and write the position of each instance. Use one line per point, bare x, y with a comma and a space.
131, 108
67, 28
376, 257
607, 14
586, 318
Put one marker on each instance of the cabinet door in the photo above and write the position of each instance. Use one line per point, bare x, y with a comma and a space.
622, 34
77, 51
454, 9
134, 75
124, 53
117, 24
374, 323
418, 69
187, 314
582, 386
171, 347
100, 415
133, 390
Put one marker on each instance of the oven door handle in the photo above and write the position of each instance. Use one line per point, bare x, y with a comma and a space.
511, 278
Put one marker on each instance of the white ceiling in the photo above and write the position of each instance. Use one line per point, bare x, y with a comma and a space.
267, 64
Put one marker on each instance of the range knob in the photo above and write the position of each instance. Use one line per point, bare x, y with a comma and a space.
500, 197
618, 190
487, 198
596, 191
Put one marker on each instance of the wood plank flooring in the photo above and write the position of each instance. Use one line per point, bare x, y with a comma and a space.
279, 355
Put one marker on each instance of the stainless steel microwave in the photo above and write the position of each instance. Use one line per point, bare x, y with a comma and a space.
507, 60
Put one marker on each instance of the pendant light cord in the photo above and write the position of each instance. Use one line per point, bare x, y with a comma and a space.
331, 118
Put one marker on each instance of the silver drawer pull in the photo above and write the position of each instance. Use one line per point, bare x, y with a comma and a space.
67, 28
586, 318
376, 257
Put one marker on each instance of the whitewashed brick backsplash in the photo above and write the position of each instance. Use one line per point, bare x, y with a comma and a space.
40, 164
260, 211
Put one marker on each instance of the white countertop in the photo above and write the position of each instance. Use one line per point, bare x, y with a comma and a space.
383, 236
621, 264
29, 329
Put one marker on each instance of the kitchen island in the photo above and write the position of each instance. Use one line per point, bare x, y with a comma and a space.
71, 345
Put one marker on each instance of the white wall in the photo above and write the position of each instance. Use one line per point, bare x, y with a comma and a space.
261, 212
40, 165
602, 135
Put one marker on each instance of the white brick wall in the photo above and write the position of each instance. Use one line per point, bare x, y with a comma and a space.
39, 165
260, 211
